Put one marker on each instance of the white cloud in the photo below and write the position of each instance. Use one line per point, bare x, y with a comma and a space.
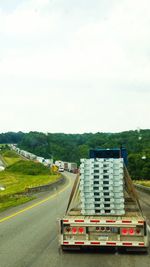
54, 47
26, 21
101, 49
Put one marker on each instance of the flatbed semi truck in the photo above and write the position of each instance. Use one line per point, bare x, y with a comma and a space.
127, 231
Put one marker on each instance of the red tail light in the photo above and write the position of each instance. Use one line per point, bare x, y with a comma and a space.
131, 231
81, 230
127, 231
74, 230
124, 231
102, 229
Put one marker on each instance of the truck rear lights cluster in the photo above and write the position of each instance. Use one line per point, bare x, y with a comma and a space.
103, 229
74, 230
127, 231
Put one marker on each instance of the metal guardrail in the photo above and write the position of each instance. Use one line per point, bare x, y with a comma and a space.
142, 188
42, 188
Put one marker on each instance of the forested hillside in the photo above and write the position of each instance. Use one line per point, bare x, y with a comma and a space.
11, 137
72, 147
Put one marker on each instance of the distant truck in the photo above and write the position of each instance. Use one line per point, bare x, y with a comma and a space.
60, 165
78, 230
66, 166
72, 167
61, 169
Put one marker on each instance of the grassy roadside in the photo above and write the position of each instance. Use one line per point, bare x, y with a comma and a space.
18, 176
10, 157
142, 182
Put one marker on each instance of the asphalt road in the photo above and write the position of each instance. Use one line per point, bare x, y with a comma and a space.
29, 239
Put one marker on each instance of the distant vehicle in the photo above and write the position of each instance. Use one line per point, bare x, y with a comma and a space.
66, 166
72, 167
61, 169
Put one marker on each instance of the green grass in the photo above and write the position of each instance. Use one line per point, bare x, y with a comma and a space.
10, 157
19, 176
143, 182
28, 167
12, 201
15, 183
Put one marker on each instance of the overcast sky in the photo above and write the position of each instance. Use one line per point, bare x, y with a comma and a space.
74, 66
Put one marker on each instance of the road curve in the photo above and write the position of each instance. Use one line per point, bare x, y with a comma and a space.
29, 239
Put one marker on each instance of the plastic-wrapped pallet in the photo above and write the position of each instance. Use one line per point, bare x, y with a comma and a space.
101, 186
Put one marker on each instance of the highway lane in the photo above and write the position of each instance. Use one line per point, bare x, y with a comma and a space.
24, 237
145, 204
30, 240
